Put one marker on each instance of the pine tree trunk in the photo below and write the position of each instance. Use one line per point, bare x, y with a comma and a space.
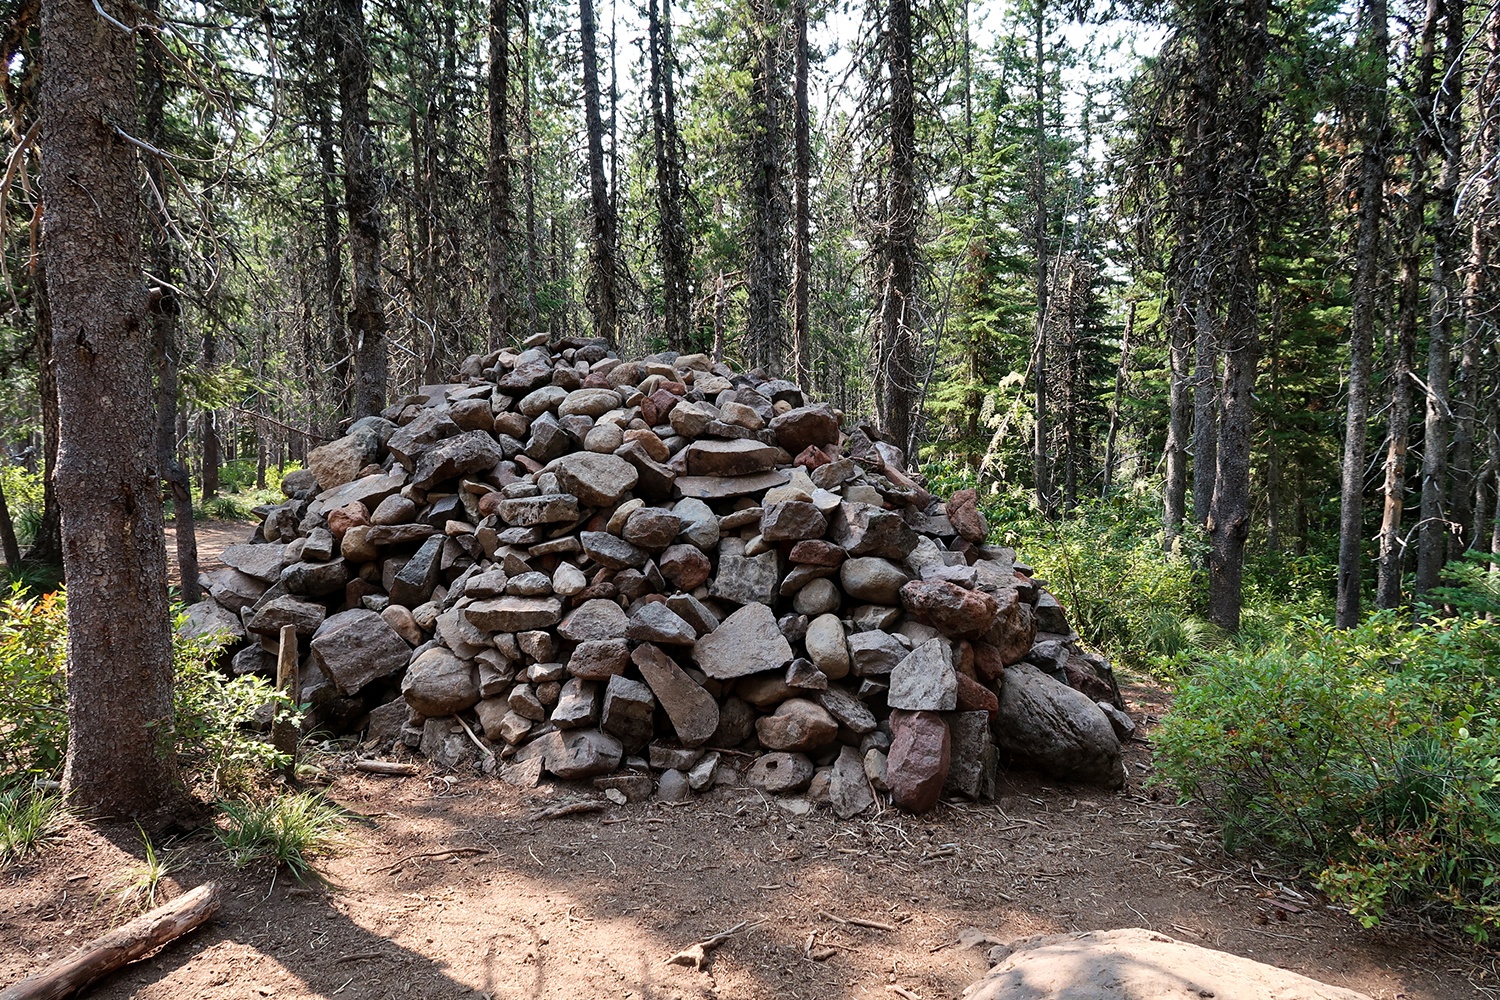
498, 242
119, 759
899, 341
362, 204
1433, 532
1040, 459
1408, 284
802, 212
672, 251
766, 275
1362, 322
334, 331
603, 296
1121, 373
46, 547
1229, 514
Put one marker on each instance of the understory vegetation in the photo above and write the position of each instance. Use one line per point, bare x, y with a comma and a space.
220, 722
1369, 758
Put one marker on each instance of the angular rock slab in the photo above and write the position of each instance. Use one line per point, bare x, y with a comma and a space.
693, 711
725, 487
747, 642
515, 614
924, 680
1057, 730
921, 755
439, 683
848, 788
357, 647
1141, 965
596, 480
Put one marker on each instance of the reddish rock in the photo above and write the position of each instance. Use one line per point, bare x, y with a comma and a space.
918, 763
816, 552
975, 697
989, 662
1081, 677
655, 449
807, 425
685, 566
811, 458
797, 725
964, 512
341, 519
949, 608
490, 503
1014, 630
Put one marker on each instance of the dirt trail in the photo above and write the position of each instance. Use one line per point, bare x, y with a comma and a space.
448, 888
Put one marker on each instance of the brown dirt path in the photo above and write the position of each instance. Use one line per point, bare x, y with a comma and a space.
449, 889
213, 538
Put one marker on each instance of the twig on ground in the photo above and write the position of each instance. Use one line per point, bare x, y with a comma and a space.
696, 953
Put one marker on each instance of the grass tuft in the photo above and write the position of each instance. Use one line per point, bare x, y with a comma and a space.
287, 831
27, 820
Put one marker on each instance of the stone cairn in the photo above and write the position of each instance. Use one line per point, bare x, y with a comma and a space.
663, 576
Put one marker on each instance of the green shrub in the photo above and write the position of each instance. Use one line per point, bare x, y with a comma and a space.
1358, 755
33, 689
215, 744
287, 831
23, 498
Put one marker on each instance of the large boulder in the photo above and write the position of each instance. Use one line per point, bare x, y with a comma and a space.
1137, 964
1057, 730
357, 647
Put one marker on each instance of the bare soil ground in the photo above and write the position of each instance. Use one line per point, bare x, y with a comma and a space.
447, 886
213, 537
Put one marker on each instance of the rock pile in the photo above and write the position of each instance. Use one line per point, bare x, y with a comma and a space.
661, 575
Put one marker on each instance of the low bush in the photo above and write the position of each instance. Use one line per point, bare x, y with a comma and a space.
1368, 757
216, 743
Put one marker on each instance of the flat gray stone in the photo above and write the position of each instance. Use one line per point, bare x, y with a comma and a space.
596, 480
1141, 965
693, 711
357, 647
655, 622
594, 620
439, 683
747, 642
725, 487
744, 579
924, 680
263, 562
874, 653
515, 614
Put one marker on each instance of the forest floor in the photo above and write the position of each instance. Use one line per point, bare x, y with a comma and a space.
449, 886
213, 537
452, 886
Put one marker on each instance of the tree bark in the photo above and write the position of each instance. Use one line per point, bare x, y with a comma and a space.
499, 238
899, 312
1362, 321
119, 758
1040, 460
165, 318
1408, 283
367, 321
1121, 372
801, 212
46, 547
671, 245
766, 276
603, 295
1243, 127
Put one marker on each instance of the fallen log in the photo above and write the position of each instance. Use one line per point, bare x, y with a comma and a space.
119, 947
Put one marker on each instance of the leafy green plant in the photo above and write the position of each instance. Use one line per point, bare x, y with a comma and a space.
33, 692
286, 831
216, 739
28, 818
1357, 755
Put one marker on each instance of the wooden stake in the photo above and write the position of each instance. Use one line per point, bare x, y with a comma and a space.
119, 947
284, 733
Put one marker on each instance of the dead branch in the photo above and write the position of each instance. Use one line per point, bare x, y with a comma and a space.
119, 947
